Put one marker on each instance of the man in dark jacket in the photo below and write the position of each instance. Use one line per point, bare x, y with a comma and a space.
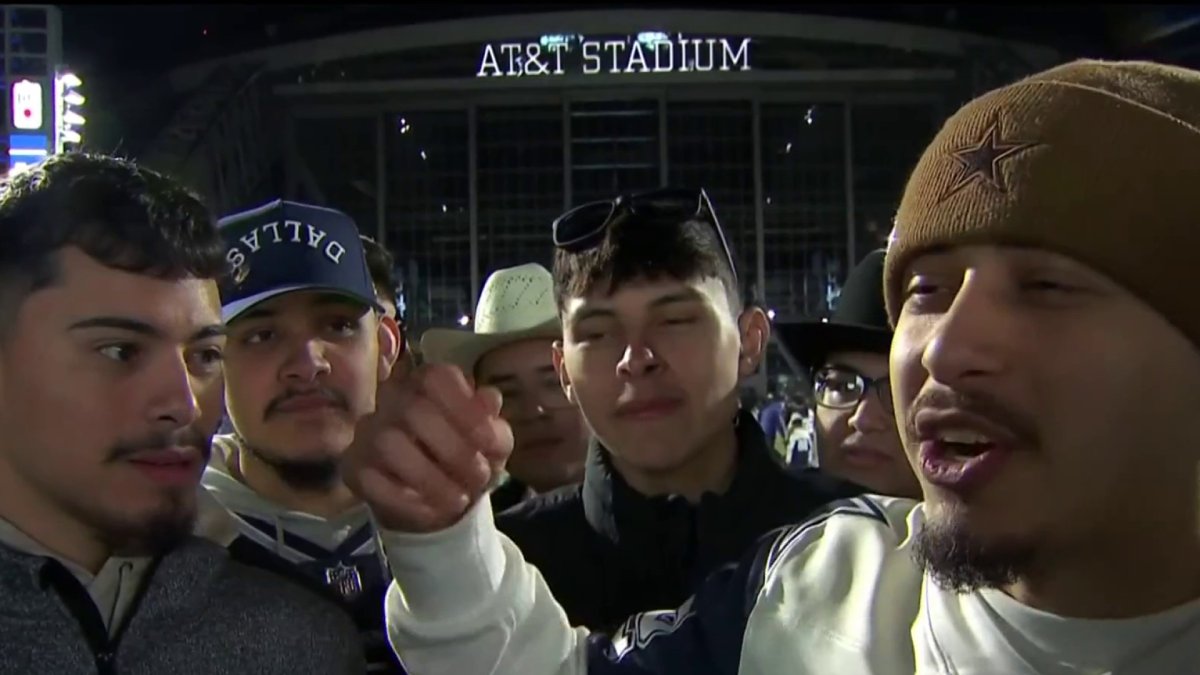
110, 389
679, 479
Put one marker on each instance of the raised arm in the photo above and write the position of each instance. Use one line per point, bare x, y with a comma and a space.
463, 599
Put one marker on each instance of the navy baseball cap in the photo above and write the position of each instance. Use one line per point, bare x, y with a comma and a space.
284, 247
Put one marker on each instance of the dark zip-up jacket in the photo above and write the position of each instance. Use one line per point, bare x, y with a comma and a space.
197, 612
608, 552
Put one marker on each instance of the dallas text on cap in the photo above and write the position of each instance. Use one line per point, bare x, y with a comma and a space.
333, 250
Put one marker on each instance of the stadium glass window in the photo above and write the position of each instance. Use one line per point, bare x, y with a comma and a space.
614, 148
711, 145
888, 140
520, 184
804, 209
428, 217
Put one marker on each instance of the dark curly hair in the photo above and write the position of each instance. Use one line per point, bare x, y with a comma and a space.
122, 215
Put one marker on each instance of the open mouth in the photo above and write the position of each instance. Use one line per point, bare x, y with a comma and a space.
961, 460
964, 443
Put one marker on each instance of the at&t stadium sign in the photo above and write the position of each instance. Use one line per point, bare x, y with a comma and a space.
651, 52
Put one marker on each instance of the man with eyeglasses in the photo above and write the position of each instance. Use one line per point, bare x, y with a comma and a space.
847, 358
655, 341
510, 348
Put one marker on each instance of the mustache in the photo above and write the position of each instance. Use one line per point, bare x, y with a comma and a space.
189, 437
333, 396
978, 404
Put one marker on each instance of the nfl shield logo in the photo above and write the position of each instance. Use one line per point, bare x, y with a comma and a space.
345, 579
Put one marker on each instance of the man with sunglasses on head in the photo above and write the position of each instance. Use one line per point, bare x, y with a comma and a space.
847, 359
655, 342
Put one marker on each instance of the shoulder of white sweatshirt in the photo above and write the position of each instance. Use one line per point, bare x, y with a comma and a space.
839, 593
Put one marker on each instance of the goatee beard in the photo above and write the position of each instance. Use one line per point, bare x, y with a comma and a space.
154, 536
308, 475
958, 561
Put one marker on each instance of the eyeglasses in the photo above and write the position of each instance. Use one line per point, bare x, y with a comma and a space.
582, 227
844, 389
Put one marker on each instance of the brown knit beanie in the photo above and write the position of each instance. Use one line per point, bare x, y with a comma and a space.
1099, 161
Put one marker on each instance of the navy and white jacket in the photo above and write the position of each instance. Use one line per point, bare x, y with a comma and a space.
836, 595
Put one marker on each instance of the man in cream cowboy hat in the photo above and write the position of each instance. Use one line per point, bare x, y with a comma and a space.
516, 324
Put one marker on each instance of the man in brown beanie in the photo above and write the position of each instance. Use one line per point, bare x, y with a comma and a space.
1041, 283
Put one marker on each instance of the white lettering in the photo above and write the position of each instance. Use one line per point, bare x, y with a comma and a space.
700, 67
512, 50
533, 64
294, 225
612, 46
658, 56
251, 241
558, 49
637, 60
274, 228
742, 55
315, 236
488, 65
334, 251
648, 52
591, 58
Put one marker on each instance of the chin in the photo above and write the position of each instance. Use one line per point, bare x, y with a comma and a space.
650, 457
327, 443
151, 531
961, 555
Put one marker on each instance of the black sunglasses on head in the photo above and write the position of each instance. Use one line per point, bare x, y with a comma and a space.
583, 227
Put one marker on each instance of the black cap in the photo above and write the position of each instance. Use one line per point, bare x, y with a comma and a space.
859, 322
283, 247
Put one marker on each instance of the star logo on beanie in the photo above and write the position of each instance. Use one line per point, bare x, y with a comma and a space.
981, 161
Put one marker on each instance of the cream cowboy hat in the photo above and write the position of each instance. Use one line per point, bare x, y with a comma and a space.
517, 304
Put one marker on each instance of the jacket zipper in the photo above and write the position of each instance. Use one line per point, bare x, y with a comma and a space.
79, 603
81, 606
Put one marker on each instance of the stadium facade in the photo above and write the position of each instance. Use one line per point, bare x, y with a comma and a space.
456, 143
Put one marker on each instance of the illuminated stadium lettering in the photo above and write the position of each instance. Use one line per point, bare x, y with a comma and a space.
644, 53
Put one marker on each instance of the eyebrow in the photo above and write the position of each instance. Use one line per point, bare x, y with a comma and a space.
592, 313
141, 327
677, 297
688, 295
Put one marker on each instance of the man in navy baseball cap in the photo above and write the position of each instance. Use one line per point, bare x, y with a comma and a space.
283, 246
308, 346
